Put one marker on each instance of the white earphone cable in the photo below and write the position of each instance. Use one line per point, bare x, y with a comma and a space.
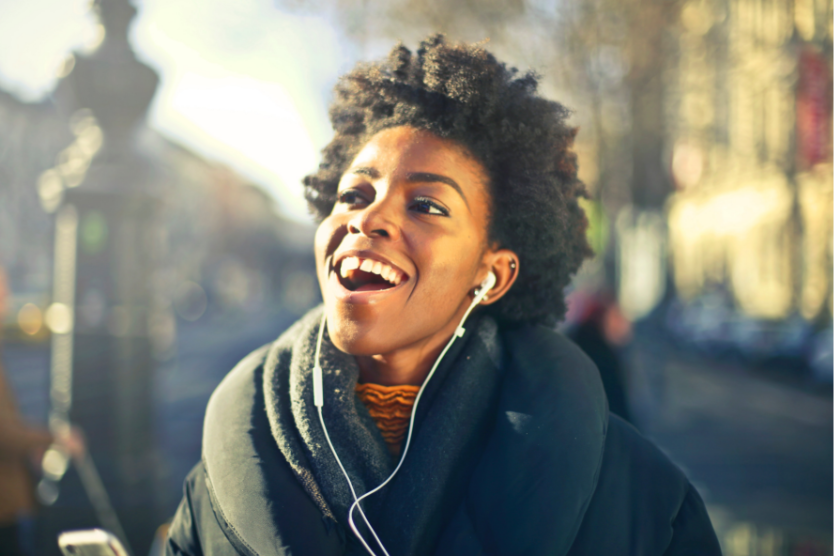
318, 397
318, 400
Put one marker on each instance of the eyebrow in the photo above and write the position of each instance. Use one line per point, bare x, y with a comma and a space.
365, 171
416, 177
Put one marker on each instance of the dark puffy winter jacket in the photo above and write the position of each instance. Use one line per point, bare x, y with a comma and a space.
514, 453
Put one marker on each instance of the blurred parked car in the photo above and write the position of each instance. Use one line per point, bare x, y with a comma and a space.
712, 326
820, 356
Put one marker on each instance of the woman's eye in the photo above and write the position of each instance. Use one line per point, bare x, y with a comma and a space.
351, 197
427, 206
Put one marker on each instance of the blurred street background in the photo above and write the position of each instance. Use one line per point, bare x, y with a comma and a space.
153, 229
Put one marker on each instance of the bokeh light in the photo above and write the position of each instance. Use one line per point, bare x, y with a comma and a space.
30, 319
59, 318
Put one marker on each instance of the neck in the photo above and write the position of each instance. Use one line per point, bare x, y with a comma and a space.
408, 365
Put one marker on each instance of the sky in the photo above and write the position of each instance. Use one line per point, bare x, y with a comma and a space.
241, 83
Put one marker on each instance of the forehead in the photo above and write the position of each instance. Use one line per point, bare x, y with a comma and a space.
409, 149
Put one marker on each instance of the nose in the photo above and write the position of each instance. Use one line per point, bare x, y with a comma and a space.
378, 219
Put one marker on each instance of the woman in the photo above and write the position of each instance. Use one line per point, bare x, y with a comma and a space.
449, 186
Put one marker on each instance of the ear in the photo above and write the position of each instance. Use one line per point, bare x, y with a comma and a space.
504, 264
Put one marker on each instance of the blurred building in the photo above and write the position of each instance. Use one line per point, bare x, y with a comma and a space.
30, 139
749, 109
215, 229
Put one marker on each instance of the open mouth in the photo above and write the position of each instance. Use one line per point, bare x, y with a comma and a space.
360, 275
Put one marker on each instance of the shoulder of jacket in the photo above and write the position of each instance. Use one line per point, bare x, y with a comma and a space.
252, 361
543, 350
639, 462
663, 506
544, 367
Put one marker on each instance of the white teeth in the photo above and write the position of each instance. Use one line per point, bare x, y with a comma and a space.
369, 265
350, 263
390, 275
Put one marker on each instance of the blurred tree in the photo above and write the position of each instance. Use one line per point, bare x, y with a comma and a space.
606, 59
365, 21
615, 55
31, 135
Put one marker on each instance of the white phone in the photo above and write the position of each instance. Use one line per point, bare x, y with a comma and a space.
90, 542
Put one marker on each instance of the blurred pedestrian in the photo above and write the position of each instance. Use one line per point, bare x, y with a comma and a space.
601, 330
21, 446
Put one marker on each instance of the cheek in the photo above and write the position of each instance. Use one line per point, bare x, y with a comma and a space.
452, 272
322, 250
326, 240
320, 242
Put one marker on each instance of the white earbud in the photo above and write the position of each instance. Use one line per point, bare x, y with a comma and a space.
486, 285
489, 281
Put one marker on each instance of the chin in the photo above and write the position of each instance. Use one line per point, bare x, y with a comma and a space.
354, 332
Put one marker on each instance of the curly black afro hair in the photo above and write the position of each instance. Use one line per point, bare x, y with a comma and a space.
461, 92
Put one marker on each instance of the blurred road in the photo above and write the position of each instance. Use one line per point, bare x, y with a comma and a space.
758, 449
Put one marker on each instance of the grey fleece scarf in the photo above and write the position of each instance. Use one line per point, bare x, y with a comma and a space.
409, 513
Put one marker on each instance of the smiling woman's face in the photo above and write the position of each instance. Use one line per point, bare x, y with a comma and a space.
405, 244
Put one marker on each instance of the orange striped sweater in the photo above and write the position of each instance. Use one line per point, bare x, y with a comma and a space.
390, 407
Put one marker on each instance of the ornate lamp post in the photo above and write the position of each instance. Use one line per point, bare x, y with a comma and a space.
102, 366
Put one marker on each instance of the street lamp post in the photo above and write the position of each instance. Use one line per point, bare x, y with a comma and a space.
105, 383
